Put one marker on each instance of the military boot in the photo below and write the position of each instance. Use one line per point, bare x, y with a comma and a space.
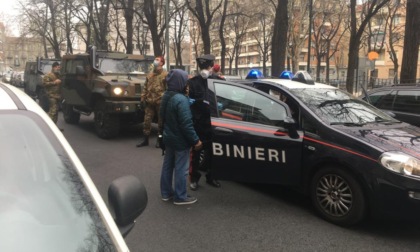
144, 142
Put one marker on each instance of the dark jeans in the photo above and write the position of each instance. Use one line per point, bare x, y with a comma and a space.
201, 161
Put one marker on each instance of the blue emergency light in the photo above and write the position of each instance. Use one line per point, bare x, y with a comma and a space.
286, 75
254, 74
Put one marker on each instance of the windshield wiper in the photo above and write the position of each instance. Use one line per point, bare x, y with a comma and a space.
349, 124
387, 121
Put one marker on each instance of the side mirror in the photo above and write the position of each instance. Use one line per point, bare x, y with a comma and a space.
80, 70
127, 198
290, 125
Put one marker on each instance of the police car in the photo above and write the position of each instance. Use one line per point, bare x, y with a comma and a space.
351, 158
47, 200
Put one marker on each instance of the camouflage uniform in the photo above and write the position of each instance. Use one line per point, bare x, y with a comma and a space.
154, 87
52, 91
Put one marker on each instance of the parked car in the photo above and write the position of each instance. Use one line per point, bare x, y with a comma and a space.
401, 100
46, 194
350, 158
17, 79
7, 77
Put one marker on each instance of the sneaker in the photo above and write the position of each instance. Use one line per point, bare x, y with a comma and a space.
167, 198
187, 201
194, 186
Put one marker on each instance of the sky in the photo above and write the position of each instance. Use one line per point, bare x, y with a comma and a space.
8, 10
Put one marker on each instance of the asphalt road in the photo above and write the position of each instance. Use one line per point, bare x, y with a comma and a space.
236, 217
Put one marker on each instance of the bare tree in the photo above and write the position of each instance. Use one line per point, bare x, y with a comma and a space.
327, 25
128, 9
222, 34
42, 18
100, 12
179, 28
236, 27
411, 42
279, 39
204, 11
357, 26
297, 30
263, 34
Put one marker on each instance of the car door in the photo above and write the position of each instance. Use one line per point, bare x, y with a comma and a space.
75, 87
407, 106
251, 143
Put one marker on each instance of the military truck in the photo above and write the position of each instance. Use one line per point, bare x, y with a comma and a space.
107, 84
34, 72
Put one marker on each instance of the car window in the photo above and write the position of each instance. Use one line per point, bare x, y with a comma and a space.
242, 104
42, 195
375, 97
71, 65
385, 101
408, 101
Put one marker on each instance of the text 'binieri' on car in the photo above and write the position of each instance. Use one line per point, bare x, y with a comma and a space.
351, 158
48, 202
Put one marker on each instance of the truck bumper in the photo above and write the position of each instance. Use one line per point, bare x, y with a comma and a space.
116, 107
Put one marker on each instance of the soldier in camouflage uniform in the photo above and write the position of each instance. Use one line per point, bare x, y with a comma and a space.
52, 82
151, 96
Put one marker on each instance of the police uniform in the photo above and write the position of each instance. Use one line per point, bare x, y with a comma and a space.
200, 110
52, 91
151, 96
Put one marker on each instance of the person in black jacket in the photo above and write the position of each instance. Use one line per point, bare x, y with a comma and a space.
200, 110
178, 137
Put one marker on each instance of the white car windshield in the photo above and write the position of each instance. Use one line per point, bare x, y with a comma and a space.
45, 205
336, 107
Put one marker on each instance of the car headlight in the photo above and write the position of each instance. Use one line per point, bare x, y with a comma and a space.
118, 90
401, 163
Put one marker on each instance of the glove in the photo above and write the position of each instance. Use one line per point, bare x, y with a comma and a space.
191, 100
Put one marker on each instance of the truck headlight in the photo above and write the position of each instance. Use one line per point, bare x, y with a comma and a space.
401, 163
117, 90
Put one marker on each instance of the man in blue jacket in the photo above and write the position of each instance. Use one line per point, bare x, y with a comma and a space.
178, 136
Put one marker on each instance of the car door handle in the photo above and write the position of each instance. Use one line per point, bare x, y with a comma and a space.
224, 130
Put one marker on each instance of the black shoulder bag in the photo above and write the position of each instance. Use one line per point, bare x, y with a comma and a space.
160, 136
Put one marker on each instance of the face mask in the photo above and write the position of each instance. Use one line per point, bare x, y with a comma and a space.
156, 63
205, 73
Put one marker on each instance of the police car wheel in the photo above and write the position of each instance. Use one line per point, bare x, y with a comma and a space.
70, 116
106, 125
337, 196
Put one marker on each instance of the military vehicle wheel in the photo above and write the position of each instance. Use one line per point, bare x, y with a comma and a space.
106, 125
70, 116
337, 196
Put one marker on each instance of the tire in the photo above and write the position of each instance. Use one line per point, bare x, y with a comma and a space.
337, 196
70, 116
106, 125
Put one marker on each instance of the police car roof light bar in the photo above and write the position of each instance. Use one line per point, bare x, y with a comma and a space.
288, 75
303, 77
254, 74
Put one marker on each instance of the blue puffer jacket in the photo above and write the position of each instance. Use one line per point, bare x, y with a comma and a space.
178, 130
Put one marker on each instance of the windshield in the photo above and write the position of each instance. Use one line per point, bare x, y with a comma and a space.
108, 65
42, 196
335, 106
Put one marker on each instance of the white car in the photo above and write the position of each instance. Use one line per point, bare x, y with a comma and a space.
48, 202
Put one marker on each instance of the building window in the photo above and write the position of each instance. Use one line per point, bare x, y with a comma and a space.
391, 73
